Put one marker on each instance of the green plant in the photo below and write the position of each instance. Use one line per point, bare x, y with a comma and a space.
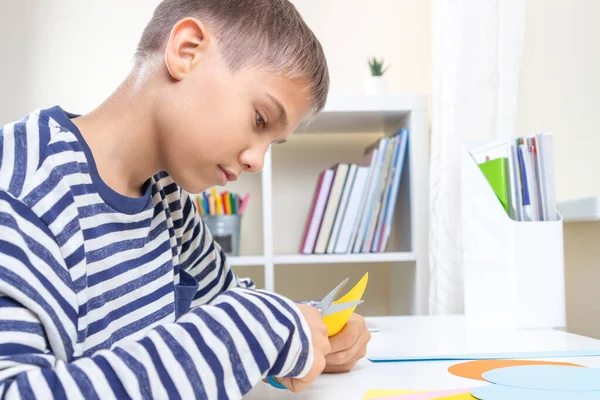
377, 66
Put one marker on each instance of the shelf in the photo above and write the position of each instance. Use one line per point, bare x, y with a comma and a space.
344, 258
244, 261
585, 209
367, 114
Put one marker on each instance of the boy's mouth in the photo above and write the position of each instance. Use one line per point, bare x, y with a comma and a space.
229, 176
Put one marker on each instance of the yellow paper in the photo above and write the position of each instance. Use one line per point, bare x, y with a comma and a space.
462, 396
382, 394
335, 322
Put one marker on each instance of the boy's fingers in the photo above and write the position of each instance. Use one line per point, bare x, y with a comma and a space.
349, 335
348, 365
344, 356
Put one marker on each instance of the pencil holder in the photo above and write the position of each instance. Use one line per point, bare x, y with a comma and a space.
225, 230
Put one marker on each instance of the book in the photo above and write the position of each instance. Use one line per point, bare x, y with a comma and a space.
515, 190
527, 212
545, 145
536, 176
341, 173
371, 190
342, 208
313, 222
386, 228
529, 180
369, 159
380, 194
353, 210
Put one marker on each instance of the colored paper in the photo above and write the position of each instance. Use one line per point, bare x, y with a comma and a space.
495, 172
547, 377
462, 396
475, 369
335, 322
500, 392
382, 394
492, 356
440, 394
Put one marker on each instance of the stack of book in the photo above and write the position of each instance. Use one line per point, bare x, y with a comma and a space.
521, 173
353, 205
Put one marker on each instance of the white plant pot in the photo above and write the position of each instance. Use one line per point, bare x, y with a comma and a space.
375, 85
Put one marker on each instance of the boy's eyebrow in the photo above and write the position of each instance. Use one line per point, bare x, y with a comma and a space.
282, 114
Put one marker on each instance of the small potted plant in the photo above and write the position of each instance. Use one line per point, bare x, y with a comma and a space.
374, 84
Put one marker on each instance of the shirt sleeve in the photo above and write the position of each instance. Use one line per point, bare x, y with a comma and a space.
217, 350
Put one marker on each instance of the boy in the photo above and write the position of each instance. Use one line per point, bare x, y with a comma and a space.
110, 285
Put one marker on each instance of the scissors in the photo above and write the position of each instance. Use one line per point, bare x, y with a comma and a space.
326, 306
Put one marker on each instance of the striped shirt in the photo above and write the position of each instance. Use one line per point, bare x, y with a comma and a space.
107, 296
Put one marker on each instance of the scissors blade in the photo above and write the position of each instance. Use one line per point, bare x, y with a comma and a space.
327, 300
336, 308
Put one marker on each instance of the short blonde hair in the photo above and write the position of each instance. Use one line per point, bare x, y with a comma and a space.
265, 33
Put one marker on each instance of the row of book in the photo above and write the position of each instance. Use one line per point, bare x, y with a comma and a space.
353, 205
521, 173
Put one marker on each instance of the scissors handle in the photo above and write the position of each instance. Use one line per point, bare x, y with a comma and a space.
336, 308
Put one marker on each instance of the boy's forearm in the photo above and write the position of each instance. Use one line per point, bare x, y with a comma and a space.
215, 351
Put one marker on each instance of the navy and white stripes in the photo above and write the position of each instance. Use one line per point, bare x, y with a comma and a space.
106, 296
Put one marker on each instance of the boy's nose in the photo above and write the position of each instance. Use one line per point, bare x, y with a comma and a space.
253, 159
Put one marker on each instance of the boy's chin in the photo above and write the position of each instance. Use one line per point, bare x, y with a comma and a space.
192, 186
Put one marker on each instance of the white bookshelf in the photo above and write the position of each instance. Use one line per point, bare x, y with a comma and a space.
586, 209
286, 187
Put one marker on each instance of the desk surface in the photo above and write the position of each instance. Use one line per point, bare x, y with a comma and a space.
403, 375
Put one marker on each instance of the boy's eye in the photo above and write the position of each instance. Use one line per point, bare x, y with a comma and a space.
260, 121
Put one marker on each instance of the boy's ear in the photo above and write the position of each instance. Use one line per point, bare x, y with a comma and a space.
189, 37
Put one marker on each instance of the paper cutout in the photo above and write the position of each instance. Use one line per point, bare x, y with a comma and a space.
335, 322
547, 377
384, 394
500, 392
475, 369
431, 395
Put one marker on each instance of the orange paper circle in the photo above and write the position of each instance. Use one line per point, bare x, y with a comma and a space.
474, 369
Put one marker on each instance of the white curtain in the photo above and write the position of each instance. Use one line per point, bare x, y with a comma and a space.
478, 47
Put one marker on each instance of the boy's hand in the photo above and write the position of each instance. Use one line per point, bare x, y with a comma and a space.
348, 346
321, 347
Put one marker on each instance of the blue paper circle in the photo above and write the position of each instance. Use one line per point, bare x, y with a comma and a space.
546, 377
500, 392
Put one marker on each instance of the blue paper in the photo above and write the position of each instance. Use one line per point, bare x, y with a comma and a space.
493, 356
500, 392
546, 377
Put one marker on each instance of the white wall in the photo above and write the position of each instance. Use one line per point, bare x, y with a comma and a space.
83, 49
352, 30
560, 87
15, 59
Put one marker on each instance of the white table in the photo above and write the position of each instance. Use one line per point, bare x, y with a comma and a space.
405, 375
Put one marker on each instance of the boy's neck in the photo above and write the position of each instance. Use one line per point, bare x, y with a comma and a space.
122, 137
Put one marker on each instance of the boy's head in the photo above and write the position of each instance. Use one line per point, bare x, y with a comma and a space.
234, 76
